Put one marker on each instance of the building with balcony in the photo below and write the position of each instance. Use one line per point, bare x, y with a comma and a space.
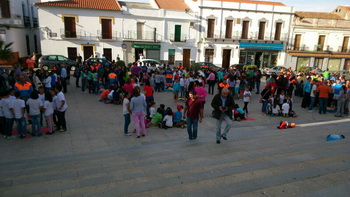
19, 25
242, 32
159, 30
320, 40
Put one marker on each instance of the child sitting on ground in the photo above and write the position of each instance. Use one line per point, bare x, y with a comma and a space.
152, 110
238, 113
269, 106
178, 122
285, 108
157, 118
276, 110
104, 95
168, 119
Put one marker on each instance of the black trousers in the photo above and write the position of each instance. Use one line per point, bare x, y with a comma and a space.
61, 120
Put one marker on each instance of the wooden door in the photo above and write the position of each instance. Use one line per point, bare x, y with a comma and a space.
210, 32
5, 9
347, 65
245, 28
226, 57
186, 57
88, 52
69, 27
278, 31
228, 33
106, 28
177, 36
297, 42
262, 30
320, 45
107, 52
72, 53
345, 44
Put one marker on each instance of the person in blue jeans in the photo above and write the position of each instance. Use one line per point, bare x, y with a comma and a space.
126, 113
194, 112
223, 105
35, 105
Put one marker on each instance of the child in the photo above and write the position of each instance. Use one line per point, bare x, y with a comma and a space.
17, 107
41, 91
276, 110
12, 95
126, 113
54, 97
177, 117
9, 117
168, 119
48, 112
2, 117
285, 108
246, 99
162, 108
34, 110
152, 110
176, 89
61, 105
238, 113
237, 84
281, 98
269, 106
157, 118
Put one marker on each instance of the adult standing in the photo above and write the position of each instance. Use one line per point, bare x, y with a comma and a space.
24, 87
61, 105
223, 105
30, 62
265, 95
211, 82
194, 112
323, 91
341, 101
64, 76
307, 91
138, 107
201, 92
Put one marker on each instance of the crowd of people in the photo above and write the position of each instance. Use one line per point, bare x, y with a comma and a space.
133, 87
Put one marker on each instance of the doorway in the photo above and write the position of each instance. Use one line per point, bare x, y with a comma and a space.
186, 57
347, 65
226, 57
258, 59
107, 52
138, 51
88, 52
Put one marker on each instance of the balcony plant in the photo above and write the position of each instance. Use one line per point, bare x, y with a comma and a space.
5, 50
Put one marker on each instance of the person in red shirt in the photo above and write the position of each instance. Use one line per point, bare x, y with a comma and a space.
30, 62
323, 91
149, 95
194, 112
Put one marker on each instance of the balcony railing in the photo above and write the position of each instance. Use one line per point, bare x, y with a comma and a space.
35, 22
343, 49
182, 38
26, 21
145, 35
11, 21
71, 34
237, 35
107, 36
298, 48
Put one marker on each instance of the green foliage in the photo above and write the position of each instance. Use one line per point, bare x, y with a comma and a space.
5, 50
253, 67
195, 67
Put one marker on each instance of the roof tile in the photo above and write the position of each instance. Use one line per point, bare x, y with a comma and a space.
85, 4
172, 4
254, 2
320, 15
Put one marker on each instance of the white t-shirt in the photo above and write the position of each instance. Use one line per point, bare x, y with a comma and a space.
34, 106
152, 112
49, 108
17, 105
60, 98
1, 111
125, 109
12, 98
168, 120
47, 82
282, 99
42, 98
5, 105
314, 87
246, 96
275, 110
285, 108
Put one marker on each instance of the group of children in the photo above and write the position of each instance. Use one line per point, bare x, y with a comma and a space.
280, 105
165, 117
13, 108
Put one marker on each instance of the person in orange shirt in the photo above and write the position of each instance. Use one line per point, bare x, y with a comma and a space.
323, 91
223, 84
30, 62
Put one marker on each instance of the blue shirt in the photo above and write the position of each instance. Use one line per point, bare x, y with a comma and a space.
63, 73
223, 100
177, 116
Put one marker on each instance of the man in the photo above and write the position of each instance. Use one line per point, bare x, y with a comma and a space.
223, 104
64, 76
24, 87
194, 111
61, 105
323, 91
307, 91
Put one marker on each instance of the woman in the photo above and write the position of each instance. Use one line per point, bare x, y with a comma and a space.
138, 107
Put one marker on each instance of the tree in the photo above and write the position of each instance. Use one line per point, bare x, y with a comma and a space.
5, 50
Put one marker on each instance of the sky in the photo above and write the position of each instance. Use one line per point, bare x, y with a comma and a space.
303, 5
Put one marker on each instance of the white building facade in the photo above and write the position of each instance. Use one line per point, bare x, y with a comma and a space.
126, 31
232, 32
19, 25
321, 40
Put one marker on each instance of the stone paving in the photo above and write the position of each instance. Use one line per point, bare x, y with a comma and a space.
94, 158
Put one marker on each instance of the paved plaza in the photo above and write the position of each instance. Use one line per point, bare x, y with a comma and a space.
94, 158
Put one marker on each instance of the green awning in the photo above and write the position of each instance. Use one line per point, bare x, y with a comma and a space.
145, 46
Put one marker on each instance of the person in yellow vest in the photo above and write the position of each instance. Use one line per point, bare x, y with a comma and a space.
222, 85
112, 78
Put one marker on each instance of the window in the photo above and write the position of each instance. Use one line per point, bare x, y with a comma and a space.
5, 9
177, 36
318, 63
242, 57
28, 44
228, 33
209, 55
334, 65
106, 26
70, 27
302, 61
297, 42
171, 56
211, 23
278, 31
245, 28
262, 30
52, 58
345, 44
320, 44
61, 58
